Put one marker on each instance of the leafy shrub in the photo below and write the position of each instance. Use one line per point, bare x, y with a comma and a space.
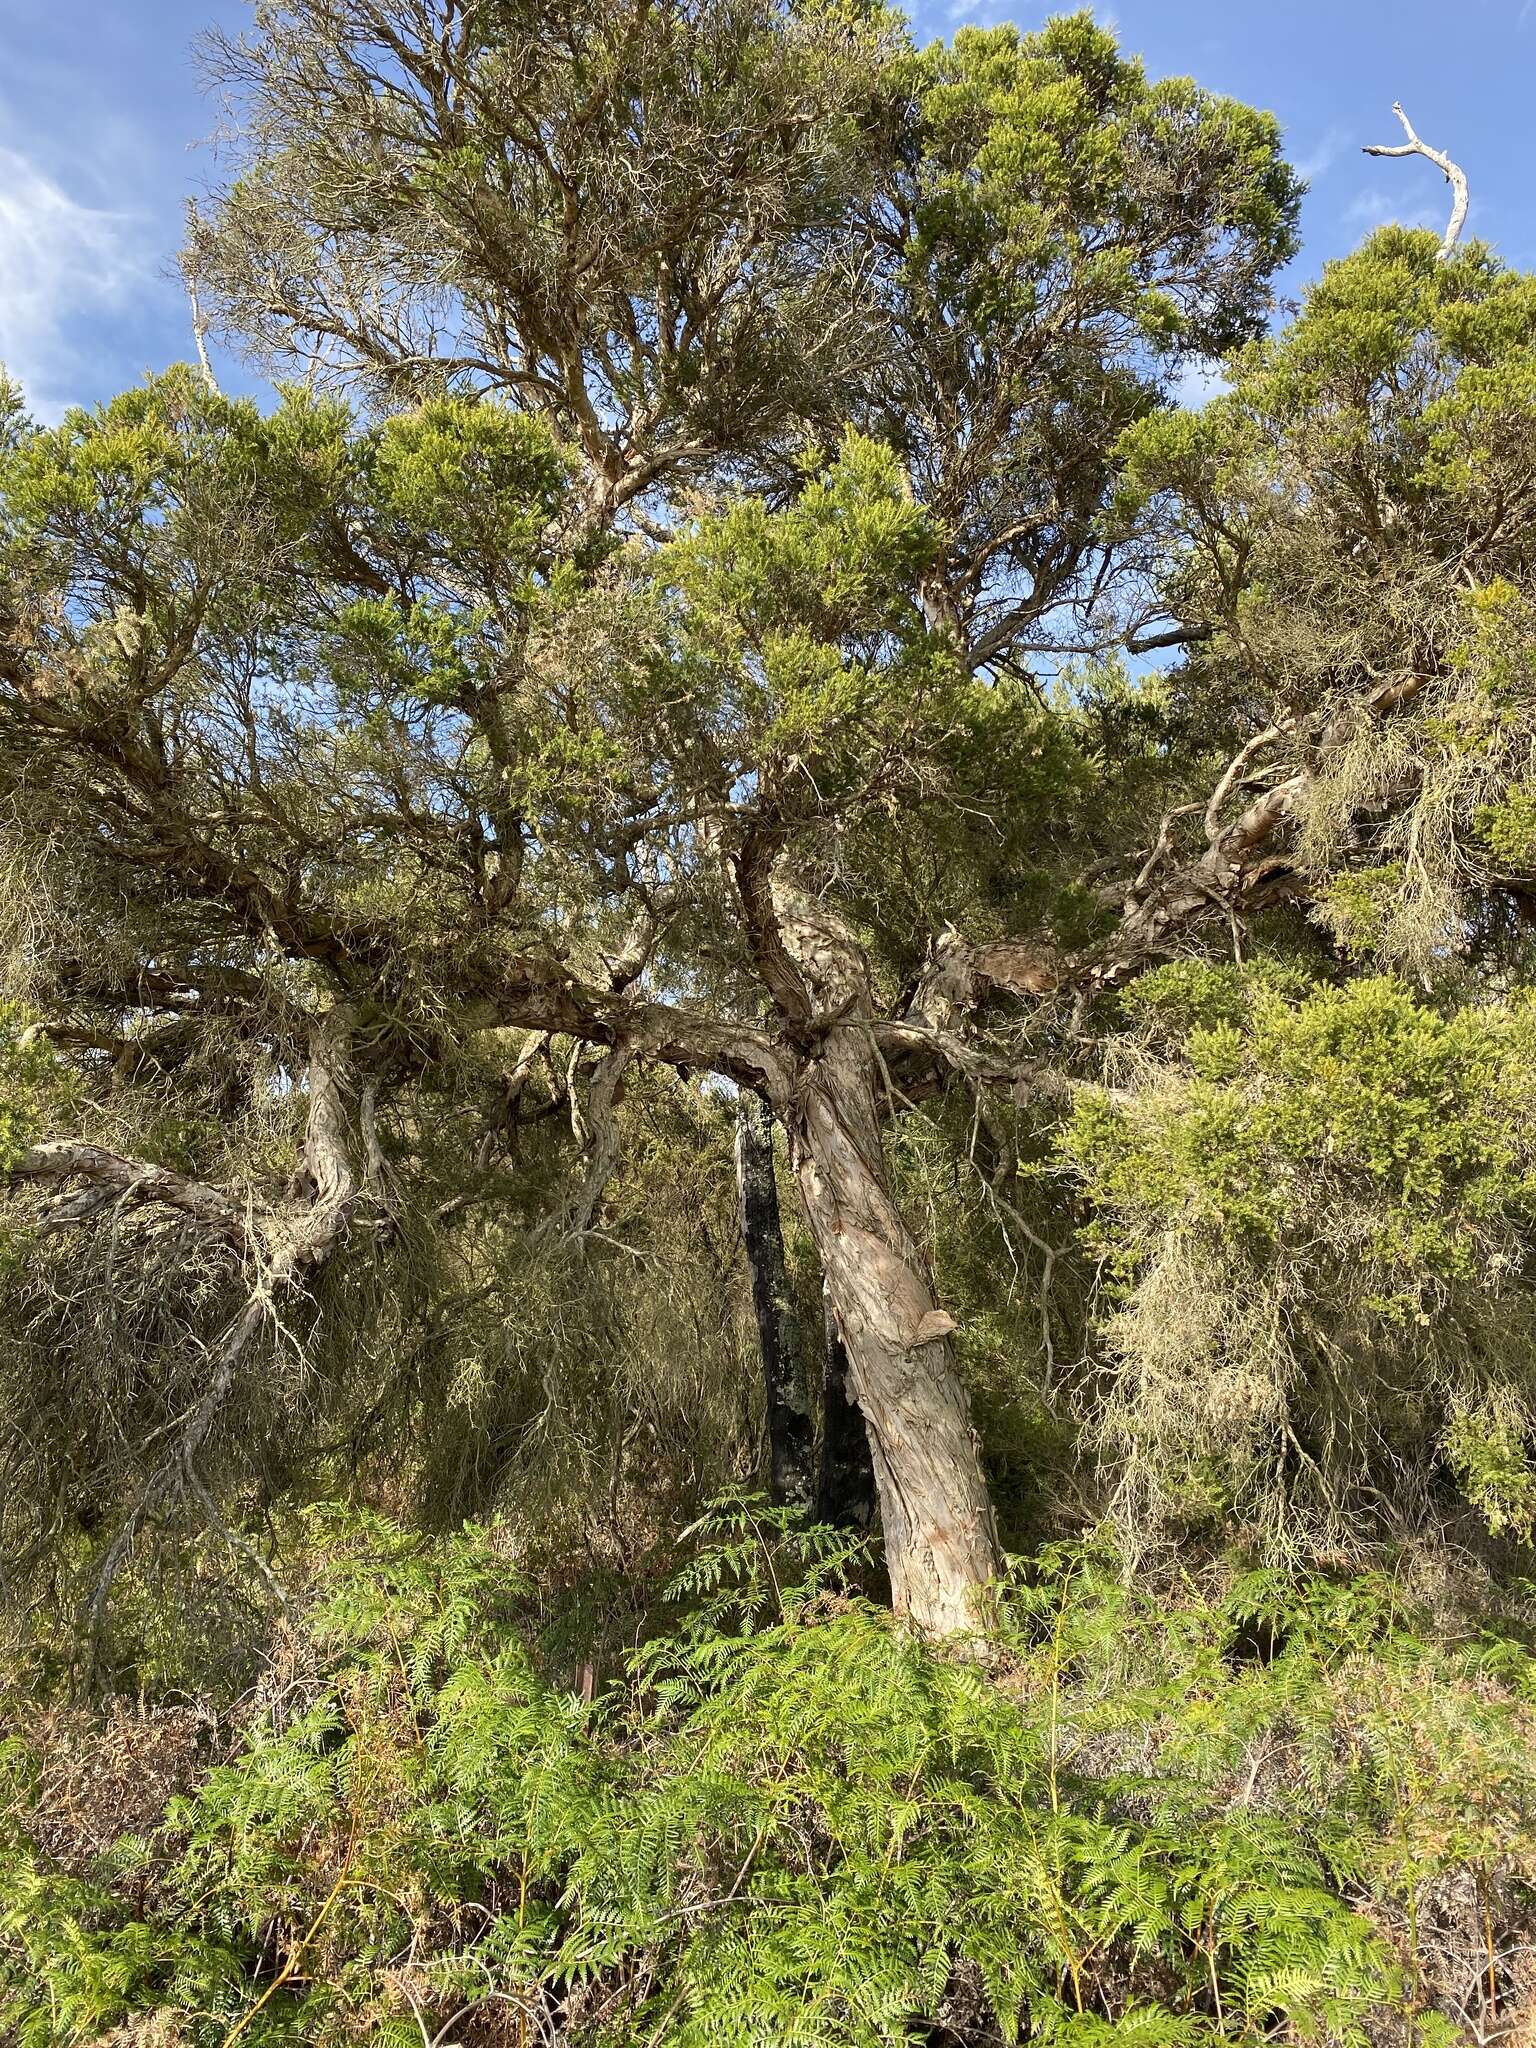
1249, 1811
1316, 1217
28, 1072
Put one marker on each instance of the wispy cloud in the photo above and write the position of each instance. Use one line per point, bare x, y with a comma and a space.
977, 13
1325, 153
1200, 379
64, 264
1377, 205
990, 13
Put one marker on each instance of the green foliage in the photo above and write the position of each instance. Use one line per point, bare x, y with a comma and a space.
31, 1080
1509, 827
1357, 1096
799, 635
479, 483
747, 406
815, 1831
1489, 1447
1181, 997
1053, 148
1316, 1213
1348, 514
1362, 905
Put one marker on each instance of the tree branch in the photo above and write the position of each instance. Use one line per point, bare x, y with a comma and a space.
1455, 177
754, 869
601, 1138
1168, 636
109, 1176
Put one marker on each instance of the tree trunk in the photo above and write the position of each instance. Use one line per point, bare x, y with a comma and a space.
845, 1481
940, 1540
778, 1327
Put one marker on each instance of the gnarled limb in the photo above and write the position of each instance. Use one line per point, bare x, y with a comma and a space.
1223, 877
1235, 769
1455, 176
544, 996
759, 883
109, 1178
1237, 867
1151, 640
294, 1240
597, 1129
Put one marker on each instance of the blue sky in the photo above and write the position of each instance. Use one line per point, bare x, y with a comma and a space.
101, 118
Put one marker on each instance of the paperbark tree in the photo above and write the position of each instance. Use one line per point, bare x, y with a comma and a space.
508, 706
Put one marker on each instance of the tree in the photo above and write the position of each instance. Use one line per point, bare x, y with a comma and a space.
1319, 1191
650, 665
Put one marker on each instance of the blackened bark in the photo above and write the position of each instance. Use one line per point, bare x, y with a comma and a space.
784, 1377
845, 1481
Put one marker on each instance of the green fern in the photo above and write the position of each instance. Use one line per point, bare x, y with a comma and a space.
807, 1827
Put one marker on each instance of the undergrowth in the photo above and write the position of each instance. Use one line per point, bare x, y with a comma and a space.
1270, 1808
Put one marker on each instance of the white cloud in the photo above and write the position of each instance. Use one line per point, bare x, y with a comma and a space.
1377, 205
1198, 380
61, 262
976, 13
1324, 154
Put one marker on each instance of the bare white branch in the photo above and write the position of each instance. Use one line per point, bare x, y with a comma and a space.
1455, 176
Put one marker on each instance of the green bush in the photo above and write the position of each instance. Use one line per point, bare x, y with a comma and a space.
1314, 1217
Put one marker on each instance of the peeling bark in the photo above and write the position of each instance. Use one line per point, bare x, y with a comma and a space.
941, 1543
110, 1180
940, 1540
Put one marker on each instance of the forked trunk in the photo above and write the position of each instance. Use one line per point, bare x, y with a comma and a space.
940, 1539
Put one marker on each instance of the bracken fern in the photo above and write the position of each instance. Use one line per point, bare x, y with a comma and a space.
1175, 1815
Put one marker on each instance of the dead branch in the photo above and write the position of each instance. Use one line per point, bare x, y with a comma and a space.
1233, 774
1151, 640
109, 1177
1455, 177
1234, 871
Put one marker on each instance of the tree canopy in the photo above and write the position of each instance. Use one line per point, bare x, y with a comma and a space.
726, 604
722, 848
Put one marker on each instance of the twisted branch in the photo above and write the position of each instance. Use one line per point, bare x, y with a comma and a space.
1455, 176
295, 1240
109, 1178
